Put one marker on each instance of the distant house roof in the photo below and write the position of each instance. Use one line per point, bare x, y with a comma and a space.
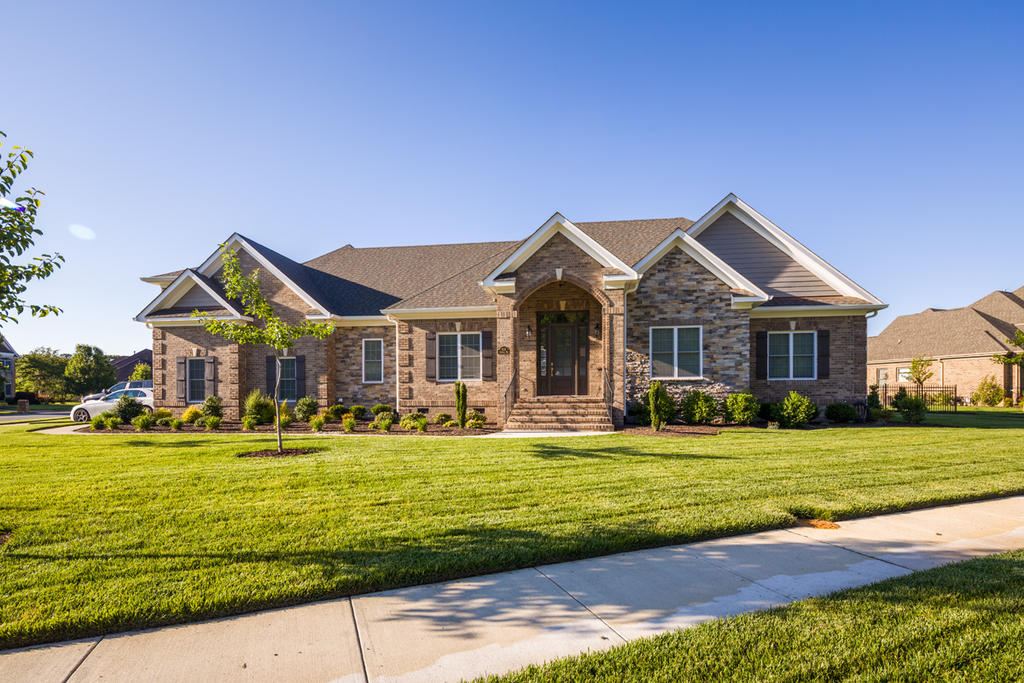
5, 347
124, 365
981, 328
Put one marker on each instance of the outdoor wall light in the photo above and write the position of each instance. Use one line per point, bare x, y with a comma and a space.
529, 332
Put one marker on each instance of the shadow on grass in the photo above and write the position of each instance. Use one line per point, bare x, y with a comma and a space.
552, 451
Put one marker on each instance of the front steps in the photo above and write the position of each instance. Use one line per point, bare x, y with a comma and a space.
560, 413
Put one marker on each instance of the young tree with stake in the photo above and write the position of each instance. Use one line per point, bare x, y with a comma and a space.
271, 331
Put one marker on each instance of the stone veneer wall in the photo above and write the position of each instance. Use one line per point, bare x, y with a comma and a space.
416, 391
847, 366
679, 291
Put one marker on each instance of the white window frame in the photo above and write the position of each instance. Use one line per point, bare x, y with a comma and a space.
374, 381
458, 357
293, 379
791, 378
903, 376
675, 351
188, 380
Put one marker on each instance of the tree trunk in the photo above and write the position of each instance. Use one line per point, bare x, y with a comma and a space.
277, 392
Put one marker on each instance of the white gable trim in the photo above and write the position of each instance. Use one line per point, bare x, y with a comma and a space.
236, 241
784, 242
178, 288
702, 255
557, 224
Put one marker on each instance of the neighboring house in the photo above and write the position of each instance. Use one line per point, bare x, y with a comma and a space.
125, 365
961, 340
567, 326
7, 357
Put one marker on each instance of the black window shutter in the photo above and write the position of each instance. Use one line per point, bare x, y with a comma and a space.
211, 376
761, 355
182, 377
271, 375
487, 352
431, 356
300, 376
824, 354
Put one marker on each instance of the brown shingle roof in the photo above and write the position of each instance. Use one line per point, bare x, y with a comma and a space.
981, 328
632, 240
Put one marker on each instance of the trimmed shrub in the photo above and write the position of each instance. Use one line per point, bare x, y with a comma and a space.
380, 408
98, 423
349, 424
259, 406
475, 424
874, 400
698, 407
127, 408
411, 421
475, 415
144, 422
335, 412
451, 424
249, 423
201, 422
212, 423
740, 409
287, 412
988, 393
797, 411
421, 426
191, 414
660, 404
213, 407
161, 414
880, 414
305, 408
177, 424
441, 418
912, 409
841, 411
316, 423
358, 411
286, 420
112, 422
383, 422
164, 421
460, 403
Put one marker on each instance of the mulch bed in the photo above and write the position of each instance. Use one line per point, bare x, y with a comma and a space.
817, 524
298, 428
673, 430
285, 453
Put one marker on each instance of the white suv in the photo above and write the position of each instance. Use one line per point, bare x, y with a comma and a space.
120, 386
87, 410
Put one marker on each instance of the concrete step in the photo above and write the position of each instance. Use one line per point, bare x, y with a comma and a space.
557, 427
560, 400
581, 412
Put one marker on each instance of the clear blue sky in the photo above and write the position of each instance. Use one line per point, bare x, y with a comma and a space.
888, 137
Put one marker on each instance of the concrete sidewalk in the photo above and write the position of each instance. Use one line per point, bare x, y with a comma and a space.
501, 622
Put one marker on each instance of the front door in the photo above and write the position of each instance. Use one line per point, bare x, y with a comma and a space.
562, 353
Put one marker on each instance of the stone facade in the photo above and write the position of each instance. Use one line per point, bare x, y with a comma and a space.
847, 364
679, 291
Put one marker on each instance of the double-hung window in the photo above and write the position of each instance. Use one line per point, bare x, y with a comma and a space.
676, 352
196, 380
792, 355
458, 356
288, 384
373, 361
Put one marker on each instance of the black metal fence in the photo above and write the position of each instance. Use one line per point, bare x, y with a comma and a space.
938, 399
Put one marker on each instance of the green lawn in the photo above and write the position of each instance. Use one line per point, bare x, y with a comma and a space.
55, 407
998, 418
959, 622
116, 532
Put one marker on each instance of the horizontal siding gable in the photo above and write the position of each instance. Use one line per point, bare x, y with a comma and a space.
196, 297
759, 260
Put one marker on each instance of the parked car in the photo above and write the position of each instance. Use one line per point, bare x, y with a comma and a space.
120, 386
87, 410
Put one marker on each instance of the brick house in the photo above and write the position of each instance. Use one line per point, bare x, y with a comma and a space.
961, 341
566, 327
8, 356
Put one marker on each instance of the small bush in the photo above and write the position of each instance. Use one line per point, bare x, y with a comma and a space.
191, 414
335, 412
840, 411
349, 424
797, 411
144, 422
201, 422
421, 426
441, 418
740, 409
941, 398
164, 421
476, 415
177, 424
286, 411
305, 408
286, 420
259, 406
1007, 402
380, 408
451, 423
112, 422
698, 407
127, 408
409, 422
249, 423
474, 424
661, 405
316, 423
213, 407
880, 414
161, 414
641, 413
383, 422
874, 400
358, 411
212, 423
912, 410
98, 423
988, 393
